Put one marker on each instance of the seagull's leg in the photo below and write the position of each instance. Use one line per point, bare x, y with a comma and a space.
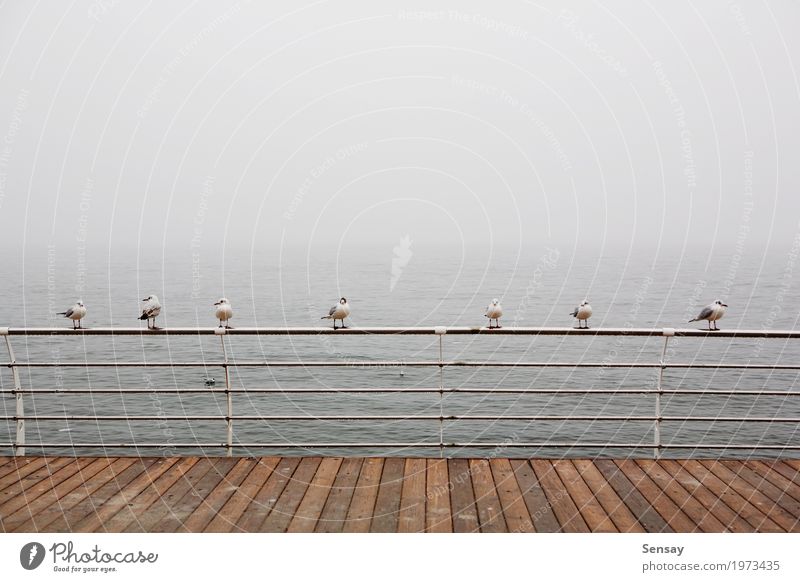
343, 326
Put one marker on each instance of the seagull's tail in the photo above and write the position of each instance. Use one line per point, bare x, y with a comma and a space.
61, 313
326, 317
695, 319
143, 316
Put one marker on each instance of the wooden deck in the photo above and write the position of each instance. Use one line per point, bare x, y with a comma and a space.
278, 494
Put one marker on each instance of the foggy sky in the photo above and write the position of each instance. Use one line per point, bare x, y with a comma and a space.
204, 125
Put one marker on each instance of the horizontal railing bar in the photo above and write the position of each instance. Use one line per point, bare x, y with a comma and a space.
399, 364
404, 445
539, 417
572, 391
456, 330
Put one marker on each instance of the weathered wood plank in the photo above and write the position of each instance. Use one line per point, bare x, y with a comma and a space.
785, 487
50, 505
542, 516
150, 494
490, 511
362, 504
19, 467
291, 497
462, 497
564, 508
516, 514
334, 514
387, 504
211, 505
783, 504
307, 514
259, 503
437, 490
17, 494
659, 500
97, 520
672, 488
739, 504
615, 508
640, 507
589, 507
786, 471
711, 502
412, 497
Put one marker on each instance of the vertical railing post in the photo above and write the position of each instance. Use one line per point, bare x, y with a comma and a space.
440, 331
19, 443
222, 332
667, 332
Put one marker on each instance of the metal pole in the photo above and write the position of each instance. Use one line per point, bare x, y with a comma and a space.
19, 446
440, 331
668, 333
221, 332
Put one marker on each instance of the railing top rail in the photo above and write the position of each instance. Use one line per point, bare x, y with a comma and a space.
504, 331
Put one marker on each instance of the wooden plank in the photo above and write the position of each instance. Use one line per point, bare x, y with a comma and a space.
49, 505
150, 494
788, 505
672, 488
786, 470
242, 504
516, 514
748, 490
490, 511
794, 463
307, 515
768, 471
101, 495
289, 500
180, 493
19, 467
334, 514
740, 505
661, 502
640, 507
437, 491
201, 517
101, 517
182, 508
539, 509
564, 508
412, 497
387, 504
362, 505
22, 492
589, 507
622, 517
462, 497
711, 502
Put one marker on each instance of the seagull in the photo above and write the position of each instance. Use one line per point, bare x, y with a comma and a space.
712, 312
224, 311
583, 312
494, 312
75, 313
338, 311
150, 310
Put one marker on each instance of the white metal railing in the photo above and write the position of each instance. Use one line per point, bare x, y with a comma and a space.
229, 418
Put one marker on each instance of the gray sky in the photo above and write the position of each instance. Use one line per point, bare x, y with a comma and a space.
130, 123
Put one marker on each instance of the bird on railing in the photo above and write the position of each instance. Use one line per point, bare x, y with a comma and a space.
494, 312
583, 312
712, 313
224, 312
339, 311
75, 313
150, 310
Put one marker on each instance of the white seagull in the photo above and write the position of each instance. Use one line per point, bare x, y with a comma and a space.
150, 310
494, 312
224, 311
583, 312
712, 312
75, 313
338, 311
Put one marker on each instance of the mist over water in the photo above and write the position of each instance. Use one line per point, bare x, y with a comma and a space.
407, 285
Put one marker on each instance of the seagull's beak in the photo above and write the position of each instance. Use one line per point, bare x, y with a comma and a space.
724, 304
218, 302
145, 299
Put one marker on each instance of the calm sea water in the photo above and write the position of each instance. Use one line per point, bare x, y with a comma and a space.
404, 285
